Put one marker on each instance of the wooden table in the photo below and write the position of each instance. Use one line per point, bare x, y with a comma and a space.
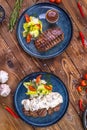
69, 66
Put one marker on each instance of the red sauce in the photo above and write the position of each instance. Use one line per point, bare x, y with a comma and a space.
52, 16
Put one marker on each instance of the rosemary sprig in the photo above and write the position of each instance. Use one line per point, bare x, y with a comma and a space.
15, 14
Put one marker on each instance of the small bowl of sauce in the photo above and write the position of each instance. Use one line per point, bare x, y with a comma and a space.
2, 13
52, 16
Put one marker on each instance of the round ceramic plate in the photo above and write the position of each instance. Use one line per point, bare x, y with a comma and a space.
58, 86
39, 11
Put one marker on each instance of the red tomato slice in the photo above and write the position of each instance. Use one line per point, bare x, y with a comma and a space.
38, 78
27, 18
28, 38
48, 87
31, 88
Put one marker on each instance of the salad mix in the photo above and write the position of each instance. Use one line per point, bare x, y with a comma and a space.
37, 87
32, 28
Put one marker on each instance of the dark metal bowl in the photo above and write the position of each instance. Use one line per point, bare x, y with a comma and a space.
2, 13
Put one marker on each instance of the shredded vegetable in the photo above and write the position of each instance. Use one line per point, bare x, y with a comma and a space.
32, 27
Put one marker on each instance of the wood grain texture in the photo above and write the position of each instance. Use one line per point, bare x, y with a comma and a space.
69, 66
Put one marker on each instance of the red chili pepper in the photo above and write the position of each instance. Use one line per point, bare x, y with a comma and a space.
82, 38
80, 9
11, 111
81, 105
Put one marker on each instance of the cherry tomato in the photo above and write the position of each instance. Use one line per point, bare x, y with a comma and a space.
48, 87
52, 1
85, 76
31, 88
58, 1
79, 89
83, 83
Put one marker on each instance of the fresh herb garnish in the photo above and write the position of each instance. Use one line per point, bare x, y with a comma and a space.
15, 14
48, 79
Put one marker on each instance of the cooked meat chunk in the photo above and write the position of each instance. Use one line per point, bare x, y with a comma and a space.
49, 39
50, 111
41, 112
57, 108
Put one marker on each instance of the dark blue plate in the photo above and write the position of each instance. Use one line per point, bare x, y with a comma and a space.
2, 14
39, 11
58, 86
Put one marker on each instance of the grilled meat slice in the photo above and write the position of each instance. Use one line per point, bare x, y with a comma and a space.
49, 39
57, 108
41, 112
50, 111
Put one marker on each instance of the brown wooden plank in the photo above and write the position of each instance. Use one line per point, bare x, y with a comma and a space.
9, 63
68, 66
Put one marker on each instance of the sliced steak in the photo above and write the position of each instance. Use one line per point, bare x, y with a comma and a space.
49, 39
57, 108
41, 112
50, 111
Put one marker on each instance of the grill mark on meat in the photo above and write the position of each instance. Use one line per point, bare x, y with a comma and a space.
57, 108
42, 112
49, 39
50, 111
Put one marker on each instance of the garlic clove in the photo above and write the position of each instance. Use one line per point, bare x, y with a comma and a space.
4, 90
3, 76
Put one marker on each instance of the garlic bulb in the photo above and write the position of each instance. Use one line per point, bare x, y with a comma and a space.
4, 90
3, 76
